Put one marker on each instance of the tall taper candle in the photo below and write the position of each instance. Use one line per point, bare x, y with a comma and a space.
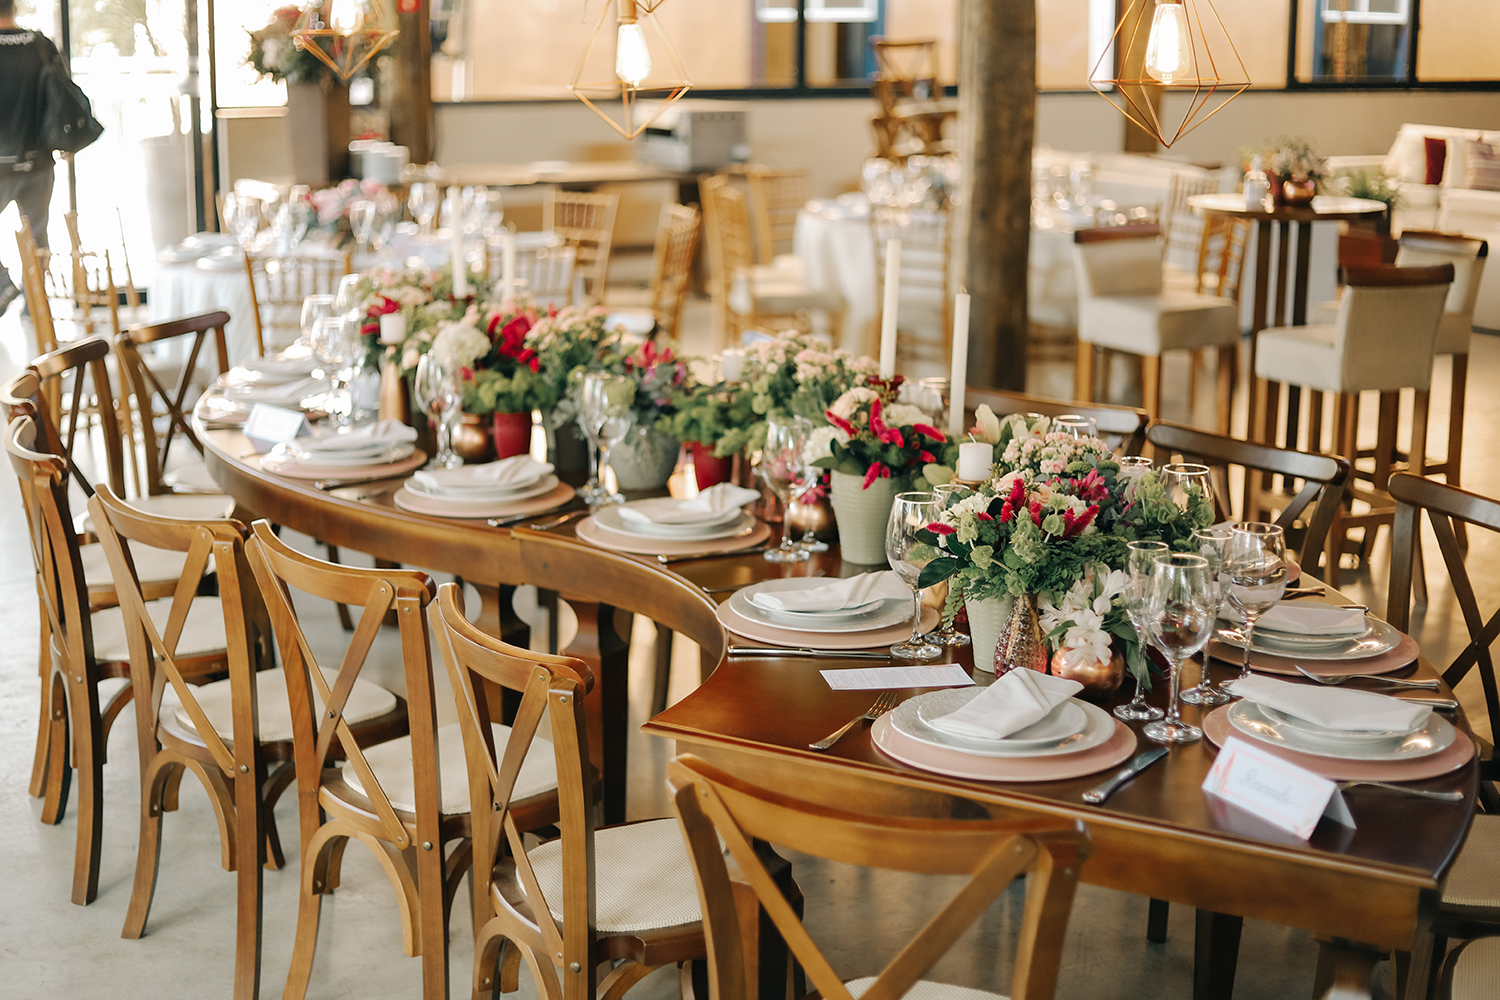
508, 272
958, 379
889, 307
456, 238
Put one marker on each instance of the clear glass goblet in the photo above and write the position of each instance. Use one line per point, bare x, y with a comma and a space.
1076, 425
1139, 558
335, 352
1213, 545
436, 391
605, 403
314, 308
948, 494
782, 464
1254, 576
1179, 619
908, 556
422, 199
1184, 481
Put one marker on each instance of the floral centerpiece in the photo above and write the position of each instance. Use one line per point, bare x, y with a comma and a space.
705, 415
646, 456
423, 298
331, 206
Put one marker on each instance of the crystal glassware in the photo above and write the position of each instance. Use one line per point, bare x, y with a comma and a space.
604, 405
908, 555
363, 216
1184, 480
422, 200
1139, 558
948, 494
1213, 545
314, 308
436, 391
335, 351
1254, 576
782, 464
346, 295
1076, 425
1179, 619
242, 217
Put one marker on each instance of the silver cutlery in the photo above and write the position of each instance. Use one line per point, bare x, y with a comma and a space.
667, 560
505, 522
1426, 685
556, 522
827, 654
1422, 793
1441, 704
883, 704
1292, 593
333, 484
1096, 796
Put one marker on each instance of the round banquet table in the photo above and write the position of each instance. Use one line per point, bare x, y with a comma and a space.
1362, 892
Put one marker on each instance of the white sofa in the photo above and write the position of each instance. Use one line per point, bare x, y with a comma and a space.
1447, 207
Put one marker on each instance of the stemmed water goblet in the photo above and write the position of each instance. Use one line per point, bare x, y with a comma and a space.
346, 294
439, 395
242, 216
947, 495
909, 555
314, 308
1254, 576
335, 349
1139, 559
604, 403
1213, 545
422, 199
782, 464
1076, 425
1179, 619
1185, 480
363, 217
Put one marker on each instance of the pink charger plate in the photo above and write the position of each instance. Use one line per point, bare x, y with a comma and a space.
555, 498
1404, 654
591, 533
957, 764
296, 470
1218, 728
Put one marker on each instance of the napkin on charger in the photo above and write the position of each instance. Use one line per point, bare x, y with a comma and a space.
850, 592
1313, 619
1332, 708
282, 394
264, 369
1019, 699
713, 504
382, 433
507, 473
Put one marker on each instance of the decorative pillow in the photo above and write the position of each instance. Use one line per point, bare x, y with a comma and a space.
1482, 171
1437, 157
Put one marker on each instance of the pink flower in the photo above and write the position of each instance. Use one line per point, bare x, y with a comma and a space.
877, 471
984, 515
928, 431
840, 423
938, 528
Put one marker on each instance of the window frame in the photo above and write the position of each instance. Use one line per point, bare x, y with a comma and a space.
1408, 82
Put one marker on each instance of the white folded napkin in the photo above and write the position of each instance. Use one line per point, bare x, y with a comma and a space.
277, 366
380, 434
1019, 699
713, 504
850, 592
508, 473
284, 394
1331, 708
1313, 619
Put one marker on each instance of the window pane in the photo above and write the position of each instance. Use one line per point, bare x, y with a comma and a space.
1353, 41
1453, 42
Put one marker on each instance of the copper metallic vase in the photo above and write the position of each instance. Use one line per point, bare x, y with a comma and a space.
471, 438
1022, 643
1100, 680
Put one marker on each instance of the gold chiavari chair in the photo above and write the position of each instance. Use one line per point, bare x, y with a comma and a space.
926, 263
278, 285
586, 222
671, 270
776, 196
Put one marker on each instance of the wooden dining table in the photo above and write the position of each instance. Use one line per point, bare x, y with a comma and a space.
1362, 892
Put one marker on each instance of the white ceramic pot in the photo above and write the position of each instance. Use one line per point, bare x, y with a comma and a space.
987, 620
862, 516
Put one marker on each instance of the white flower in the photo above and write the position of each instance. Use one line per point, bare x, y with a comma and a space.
818, 443
852, 400
902, 415
460, 343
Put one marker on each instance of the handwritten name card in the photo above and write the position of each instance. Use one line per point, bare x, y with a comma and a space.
1278, 792
873, 678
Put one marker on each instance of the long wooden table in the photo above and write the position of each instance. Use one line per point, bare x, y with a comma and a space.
1361, 892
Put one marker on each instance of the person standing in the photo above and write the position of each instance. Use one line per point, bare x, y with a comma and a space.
26, 170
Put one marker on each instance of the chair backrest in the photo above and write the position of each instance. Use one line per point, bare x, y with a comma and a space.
1184, 227
776, 195
1446, 506
926, 264
278, 285
585, 221
906, 69
1118, 260
548, 273
1387, 325
712, 805
672, 269
726, 228
149, 390
1468, 255
1123, 428
73, 383
278, 569
1321, 479
1224, 239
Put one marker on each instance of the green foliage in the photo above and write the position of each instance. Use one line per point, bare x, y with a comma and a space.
520, 391
709, 414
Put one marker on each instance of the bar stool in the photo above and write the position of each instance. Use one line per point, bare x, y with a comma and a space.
1381, 341
1122, 306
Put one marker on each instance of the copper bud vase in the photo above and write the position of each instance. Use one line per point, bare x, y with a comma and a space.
1022, 643
1100, 680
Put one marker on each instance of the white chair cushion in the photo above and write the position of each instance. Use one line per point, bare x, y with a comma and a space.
202, 633
391, 763
1300, 355
1151, 324
643, 877
1474, 879
151, 565
366, 701
192, 478
925, 989
1477, 970
1323, 313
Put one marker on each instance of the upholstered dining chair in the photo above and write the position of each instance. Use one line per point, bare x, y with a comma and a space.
717, 809
621, 892
1123, 428
1123, 306
586, 222
1381, 341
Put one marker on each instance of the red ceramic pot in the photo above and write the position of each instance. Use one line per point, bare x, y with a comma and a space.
707, 470
512, 434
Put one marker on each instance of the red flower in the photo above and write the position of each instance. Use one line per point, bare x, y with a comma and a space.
878, 427
1091, 487
926, 456
1013, 503
877, 471
984, 515
928, 431
938, 528
1074, 524
840, 422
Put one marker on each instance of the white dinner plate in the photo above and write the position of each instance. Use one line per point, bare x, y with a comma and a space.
509, 492
1333, 737
1382, 638
374, 456
886, 614
612, 519
824, 616
608, 519
544, 485
906, 718
1064, 721
1435, 737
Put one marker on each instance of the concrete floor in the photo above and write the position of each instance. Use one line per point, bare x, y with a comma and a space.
51, 948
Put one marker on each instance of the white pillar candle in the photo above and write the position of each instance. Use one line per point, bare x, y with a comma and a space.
456, 239
508, 268
958, 379
974, 461
889, 308
392, 328
731, 363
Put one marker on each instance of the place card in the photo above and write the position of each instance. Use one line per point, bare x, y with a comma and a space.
873, 678
275, 424
1276, 791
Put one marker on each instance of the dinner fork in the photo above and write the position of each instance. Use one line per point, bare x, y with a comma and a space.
883, 704
1426, 685
1422, 793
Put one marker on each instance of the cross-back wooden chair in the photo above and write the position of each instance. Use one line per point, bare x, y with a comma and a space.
589, 896
388, 797
278, 285
34, 285
233, 734
909, 100
926, 266
776, 196
83, 649
1123, 428
1305, 516
672, 265
713, 806
587, 222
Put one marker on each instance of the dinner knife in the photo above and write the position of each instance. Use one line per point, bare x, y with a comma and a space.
828, 654
666, 560
1096, 796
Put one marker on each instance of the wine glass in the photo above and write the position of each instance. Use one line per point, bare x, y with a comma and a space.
346, 296
436, 391
781, 465
908, 556
1139, 559
363, 215
1184, 480
314, 308
1076, 425
242, 216
1179, 618
1213, 545
809, 541
947, 495
332, 345
1254, 575
1132, 468
422, 199
604, 407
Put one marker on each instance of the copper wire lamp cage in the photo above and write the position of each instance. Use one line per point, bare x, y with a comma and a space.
630, 15
346, 34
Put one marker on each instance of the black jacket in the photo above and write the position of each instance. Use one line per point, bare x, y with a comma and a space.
23, 53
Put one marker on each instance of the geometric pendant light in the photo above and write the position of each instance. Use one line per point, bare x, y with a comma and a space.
1179, 58
636, 76
346, 34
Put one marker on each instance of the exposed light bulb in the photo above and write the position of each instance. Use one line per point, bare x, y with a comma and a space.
1169, 49
632, 59
346, 16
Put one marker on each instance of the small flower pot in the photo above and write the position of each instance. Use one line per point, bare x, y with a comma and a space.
987, 618
862, 516
707, 470
1299, 192
512, 433
471, 439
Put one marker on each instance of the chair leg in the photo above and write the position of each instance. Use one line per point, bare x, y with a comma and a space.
148, 853
42, 755
1151, 385
88, 761
1455, 457
663, 670
1228, 356
1420, 408
280, 780
1083, 373
309, 906
1156, 921
1195, 370
1314, 420
59, 775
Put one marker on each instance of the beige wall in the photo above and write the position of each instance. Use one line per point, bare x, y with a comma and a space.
1445, 45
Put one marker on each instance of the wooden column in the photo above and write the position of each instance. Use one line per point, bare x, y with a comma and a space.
1131, 65
997, 119
411, 110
